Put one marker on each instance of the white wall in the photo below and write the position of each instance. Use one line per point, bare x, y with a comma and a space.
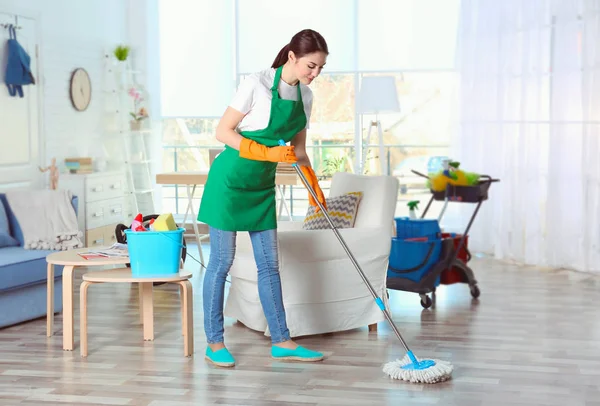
72, 33
144, 39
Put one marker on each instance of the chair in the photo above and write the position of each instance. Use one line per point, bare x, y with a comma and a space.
322, 291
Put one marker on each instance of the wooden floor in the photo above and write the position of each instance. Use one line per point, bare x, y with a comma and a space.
533, 338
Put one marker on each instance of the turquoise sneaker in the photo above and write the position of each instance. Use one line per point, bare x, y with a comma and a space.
299, 354
220, 357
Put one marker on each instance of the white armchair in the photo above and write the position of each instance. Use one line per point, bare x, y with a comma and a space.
322, 291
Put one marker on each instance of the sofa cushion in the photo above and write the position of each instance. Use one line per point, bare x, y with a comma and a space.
19, 267
6, 240
341, 209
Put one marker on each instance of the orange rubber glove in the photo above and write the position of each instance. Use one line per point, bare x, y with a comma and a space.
311, 177
253, 150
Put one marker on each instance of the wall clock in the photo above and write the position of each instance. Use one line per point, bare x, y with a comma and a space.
80, 89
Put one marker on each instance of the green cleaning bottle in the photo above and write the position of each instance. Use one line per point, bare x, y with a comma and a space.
412, 209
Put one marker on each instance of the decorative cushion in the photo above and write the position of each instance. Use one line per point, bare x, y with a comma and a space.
6, 240
341, 209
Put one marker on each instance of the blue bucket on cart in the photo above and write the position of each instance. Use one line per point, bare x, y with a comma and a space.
415, 249
413, 258
154, 253
417, 228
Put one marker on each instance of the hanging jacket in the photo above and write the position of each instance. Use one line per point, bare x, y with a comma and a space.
18, 72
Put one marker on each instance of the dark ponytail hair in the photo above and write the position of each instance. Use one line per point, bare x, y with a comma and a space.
303, 43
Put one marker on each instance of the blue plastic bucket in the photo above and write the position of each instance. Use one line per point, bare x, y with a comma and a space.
409, 228
413, 259
154, 253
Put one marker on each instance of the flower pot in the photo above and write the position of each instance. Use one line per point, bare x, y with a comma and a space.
135, 125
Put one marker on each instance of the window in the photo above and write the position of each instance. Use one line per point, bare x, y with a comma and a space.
196, 57
208, 47
407, 34
265, 26
187, 142
332, 119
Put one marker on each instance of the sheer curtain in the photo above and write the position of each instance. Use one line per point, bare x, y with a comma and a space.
529, 115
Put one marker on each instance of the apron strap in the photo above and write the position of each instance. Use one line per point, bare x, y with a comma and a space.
11, 32
276, 84
276, 79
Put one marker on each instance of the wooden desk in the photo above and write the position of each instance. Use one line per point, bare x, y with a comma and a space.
193, 179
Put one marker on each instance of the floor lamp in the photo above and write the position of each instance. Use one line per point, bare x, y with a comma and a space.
378, 95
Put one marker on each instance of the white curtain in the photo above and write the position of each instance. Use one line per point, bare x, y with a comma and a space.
195, 44
530, 116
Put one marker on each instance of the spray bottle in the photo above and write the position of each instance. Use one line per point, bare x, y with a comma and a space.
446, 164
412, 209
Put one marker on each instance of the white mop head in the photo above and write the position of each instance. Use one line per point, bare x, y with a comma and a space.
440, 372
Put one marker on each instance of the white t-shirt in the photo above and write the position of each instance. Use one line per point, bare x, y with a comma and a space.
253, 98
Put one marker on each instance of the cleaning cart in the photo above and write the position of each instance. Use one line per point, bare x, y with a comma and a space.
422, 256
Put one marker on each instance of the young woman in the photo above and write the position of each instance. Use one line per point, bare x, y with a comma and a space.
239, 194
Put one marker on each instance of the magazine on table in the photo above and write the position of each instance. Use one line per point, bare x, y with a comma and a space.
117, 250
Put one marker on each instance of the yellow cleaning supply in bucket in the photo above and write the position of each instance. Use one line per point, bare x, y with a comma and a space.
164, 222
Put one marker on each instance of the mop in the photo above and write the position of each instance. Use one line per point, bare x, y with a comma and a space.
409, 368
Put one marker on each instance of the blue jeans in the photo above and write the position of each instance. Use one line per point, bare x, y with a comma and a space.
222, 252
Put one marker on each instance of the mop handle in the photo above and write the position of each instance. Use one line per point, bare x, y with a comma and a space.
350, 255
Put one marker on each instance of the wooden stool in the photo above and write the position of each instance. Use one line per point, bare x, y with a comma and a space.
146, 303
72, 262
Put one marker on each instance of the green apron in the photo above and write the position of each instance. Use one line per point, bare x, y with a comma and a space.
239, 194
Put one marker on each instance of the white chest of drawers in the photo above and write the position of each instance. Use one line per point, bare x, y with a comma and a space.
101, 204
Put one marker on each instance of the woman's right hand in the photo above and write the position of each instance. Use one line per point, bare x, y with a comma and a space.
250, 149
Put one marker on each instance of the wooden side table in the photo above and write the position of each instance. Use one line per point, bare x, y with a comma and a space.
70, 260
147, 306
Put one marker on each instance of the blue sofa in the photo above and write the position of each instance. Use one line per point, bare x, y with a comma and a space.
23, 274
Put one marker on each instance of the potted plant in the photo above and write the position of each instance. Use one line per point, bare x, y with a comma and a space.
139, 112
121, 52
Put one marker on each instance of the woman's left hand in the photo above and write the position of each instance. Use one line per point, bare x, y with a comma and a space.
311, 177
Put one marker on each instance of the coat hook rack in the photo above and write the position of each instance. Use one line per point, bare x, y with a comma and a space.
3, 25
